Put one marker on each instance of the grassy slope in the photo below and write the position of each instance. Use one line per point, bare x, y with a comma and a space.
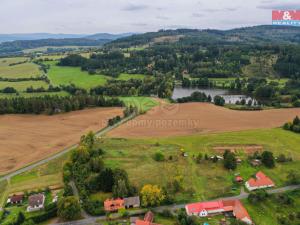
136, 156
27, 69
22, 85
142, 103
125, 76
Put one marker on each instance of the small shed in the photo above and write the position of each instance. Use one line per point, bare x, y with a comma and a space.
255, 162
132, 202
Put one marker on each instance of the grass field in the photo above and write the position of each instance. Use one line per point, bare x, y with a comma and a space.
46, 175
136, 157
67, 75
267, 212
142, 103
22, 85
125, 76
27, 69
73, 75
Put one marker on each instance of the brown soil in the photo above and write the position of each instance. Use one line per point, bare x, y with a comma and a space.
248, 149
28, 138
191, 118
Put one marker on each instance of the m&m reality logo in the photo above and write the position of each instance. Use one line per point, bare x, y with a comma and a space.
286, 17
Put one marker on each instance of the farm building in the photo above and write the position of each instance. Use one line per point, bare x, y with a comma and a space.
132, 202
148, 220
111, 205
15, 199
36, 202
204, 209
260, 181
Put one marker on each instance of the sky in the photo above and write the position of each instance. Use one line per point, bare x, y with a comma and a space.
119, 16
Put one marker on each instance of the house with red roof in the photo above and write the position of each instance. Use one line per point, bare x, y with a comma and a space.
148, 219
112, 205
204, 209
259, 182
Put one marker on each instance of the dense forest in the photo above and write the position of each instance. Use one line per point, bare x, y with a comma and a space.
17, 46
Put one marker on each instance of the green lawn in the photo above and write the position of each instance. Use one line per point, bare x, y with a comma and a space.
267, 212
24, 70
23, 85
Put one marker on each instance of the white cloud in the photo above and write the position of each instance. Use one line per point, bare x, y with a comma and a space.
91, 16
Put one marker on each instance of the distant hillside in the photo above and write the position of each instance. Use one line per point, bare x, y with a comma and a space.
37, 36
108, 36
249, 35
16, 47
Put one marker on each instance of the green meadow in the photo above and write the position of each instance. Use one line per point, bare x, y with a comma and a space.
21, 86
136, 157
23, 70
59, 75
142, 103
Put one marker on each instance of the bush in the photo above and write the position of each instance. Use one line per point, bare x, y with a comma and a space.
268, 159
46, 215
68, 191
69, 208
219, 100
257, 196
94, 208
159, 157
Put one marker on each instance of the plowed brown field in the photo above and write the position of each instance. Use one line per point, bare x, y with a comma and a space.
28, 138
191, 118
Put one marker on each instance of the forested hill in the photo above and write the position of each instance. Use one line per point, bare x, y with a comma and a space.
265, 34
17, 46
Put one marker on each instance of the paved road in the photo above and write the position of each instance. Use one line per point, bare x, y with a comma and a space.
243, 195
59, 154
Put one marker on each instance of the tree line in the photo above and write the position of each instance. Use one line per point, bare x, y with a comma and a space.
54, 104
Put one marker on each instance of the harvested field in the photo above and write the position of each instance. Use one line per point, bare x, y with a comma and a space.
191, 118
28, 138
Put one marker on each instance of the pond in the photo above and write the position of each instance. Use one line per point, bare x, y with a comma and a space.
230, 98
